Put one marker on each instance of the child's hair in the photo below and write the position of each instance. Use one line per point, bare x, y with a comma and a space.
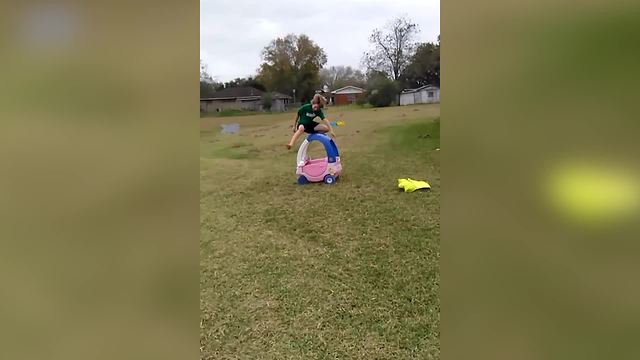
319, 99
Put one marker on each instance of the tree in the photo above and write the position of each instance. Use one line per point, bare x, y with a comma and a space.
393, 47
204, 73
381, 90
424, 68
267, 100
207, 85
206, 90
292, 62
249, 81
375, 78
339, 76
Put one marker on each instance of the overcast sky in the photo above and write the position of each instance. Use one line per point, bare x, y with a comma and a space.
234, 32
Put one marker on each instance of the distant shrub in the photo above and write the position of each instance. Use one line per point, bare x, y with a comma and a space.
384, 94
267, 100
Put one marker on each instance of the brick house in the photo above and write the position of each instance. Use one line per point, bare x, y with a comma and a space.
346, 95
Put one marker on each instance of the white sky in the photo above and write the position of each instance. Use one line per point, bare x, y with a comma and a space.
234, 32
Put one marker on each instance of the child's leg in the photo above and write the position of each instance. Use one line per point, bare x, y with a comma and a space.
295, 136
322, 129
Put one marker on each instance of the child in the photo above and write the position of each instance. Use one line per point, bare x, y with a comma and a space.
304, 120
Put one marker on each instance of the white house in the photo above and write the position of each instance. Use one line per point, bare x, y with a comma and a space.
423, 95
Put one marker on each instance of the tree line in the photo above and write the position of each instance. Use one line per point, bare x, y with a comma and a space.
395, 61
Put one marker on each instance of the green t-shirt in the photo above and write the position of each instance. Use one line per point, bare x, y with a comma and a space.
307, 114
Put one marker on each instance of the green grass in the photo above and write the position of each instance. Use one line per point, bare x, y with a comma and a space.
348, 271
231, 112
352, 106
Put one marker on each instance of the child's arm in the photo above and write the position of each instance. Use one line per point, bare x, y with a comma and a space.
326, 122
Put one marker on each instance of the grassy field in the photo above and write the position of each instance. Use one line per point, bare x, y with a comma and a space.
347, 271
233, 113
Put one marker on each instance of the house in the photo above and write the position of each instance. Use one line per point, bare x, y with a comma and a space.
346, 95
423, 95
280, 101
242, 98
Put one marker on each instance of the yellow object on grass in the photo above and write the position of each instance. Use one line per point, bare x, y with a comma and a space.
410, 185
593, 192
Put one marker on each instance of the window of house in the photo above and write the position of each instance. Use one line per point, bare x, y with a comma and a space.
351, 98
430, 94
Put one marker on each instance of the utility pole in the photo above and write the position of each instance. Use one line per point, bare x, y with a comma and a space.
294, 96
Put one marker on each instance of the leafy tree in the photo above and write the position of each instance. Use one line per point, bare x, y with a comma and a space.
339, 76
375, 78
393, 47
424, 68
381, 90
249, 81
206, 90
292, 62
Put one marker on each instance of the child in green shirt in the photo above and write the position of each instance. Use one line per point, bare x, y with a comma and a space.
304, 120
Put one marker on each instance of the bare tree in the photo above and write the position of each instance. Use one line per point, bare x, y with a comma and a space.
204, 73
207, 83
339, 76
393, 47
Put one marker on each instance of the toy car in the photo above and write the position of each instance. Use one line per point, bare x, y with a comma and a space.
327, 169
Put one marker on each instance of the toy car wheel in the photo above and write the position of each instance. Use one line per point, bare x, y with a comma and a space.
329, 179
302, 180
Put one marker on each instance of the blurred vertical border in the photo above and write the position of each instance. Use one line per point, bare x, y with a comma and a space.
99, 179
541, 186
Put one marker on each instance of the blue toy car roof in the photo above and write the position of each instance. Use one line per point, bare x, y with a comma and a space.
329, 145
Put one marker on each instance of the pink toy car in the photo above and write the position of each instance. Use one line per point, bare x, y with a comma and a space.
326, 169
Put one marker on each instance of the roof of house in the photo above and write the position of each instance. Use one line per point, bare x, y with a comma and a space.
242, 93
278, 95
425, 87
349, 89
236, 92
